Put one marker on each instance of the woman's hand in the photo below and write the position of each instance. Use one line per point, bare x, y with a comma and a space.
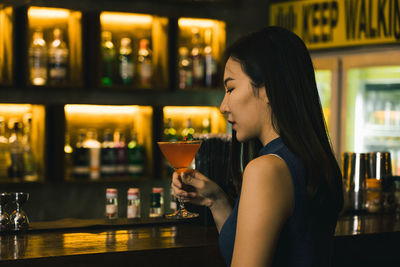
194, 187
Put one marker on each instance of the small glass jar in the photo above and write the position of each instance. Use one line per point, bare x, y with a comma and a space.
373, 199
133, 207
111, 203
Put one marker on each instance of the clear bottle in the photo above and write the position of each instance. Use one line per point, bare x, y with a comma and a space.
108, 53
125, 58
157, 202
58, 59
210, 64
111, 203
94, 146
206, 125
16, 170
38, 59
121, 153
145, 67
30, 165
135, 156
108, 157
81, 157
5, 157
170, 131
133, 207
185, 68
197, 59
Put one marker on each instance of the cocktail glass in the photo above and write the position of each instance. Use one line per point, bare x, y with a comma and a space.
180, 154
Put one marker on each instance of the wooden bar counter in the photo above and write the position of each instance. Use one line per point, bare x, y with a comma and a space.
360, 241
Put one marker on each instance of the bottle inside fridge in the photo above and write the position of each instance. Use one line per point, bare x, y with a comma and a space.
373, 111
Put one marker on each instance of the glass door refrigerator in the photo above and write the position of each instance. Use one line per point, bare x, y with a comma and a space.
370, 113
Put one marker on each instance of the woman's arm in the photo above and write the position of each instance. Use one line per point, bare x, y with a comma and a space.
200, 190
265, 204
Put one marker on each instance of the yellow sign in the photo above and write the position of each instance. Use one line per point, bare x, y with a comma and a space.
326, 24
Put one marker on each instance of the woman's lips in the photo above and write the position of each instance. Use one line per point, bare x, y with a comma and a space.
232, 122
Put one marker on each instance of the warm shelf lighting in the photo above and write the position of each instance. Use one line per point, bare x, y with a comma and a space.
48, 13
189, 111
101, 109
15, 108
202, 23
124, 18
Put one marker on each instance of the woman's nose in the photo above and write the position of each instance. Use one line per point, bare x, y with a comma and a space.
223, 108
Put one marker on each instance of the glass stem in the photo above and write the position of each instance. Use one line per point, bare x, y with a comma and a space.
181, 204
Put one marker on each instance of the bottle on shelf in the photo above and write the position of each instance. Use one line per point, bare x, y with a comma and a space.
58, 59
5, 157
16, 170
145, 67
108, 54
93, 145
185, 68
210, 64
170, 131
135, 156
157, 202
68, 154
111, 203
108, 155
197, 59
121, 153
81, 157
188, 130
206, 125
38, 59
133, 207
125, 61
30, 166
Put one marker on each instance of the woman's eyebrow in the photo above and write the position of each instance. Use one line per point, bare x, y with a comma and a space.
227, 80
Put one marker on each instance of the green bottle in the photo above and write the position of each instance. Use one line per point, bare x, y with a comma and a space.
135, 157
108, 52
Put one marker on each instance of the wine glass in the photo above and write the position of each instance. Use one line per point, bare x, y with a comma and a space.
19, 219
180, 154
4, 218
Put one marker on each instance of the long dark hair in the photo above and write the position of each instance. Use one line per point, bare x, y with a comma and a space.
278, 59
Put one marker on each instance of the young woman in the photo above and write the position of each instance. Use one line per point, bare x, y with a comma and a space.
291, 191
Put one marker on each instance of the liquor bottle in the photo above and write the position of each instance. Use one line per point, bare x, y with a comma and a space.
135, 156
38, 59
125, 58
133, 207
81, 157
30, 166
5, 157
68, 156
157, 202
93, 145
210, 64
121, 153
108, 53
170, 131
111, 203
188, 131
16, 170
197, 59
185, 68
108, 157
145, 68
58, 59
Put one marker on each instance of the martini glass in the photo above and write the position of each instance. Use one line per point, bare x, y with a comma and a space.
180, 154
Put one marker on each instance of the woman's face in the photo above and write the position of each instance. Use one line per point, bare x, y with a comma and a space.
248, 113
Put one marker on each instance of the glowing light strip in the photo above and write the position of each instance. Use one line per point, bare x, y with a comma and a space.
98, 109
116, 18
47, 13
189, 110
15, 108
204, 23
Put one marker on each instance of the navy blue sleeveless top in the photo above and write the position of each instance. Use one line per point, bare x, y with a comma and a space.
304, 240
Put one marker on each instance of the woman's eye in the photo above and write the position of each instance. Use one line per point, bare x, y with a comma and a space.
229, 90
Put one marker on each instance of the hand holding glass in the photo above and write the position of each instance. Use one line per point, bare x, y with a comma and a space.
180, 154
